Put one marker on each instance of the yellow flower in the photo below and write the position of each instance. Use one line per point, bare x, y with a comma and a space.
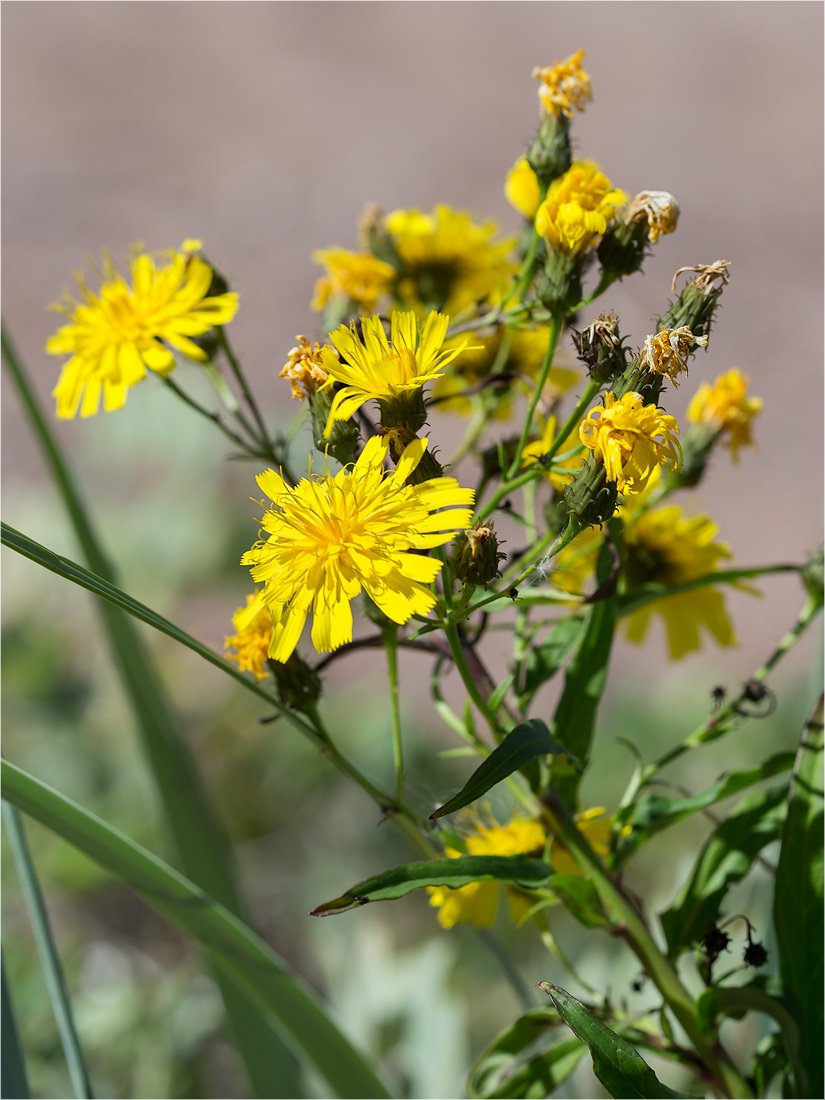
623, 434
374, 368
663, 546
726, 407
668, 350
329, 537
577, 561
449, 262
358, 275
658, 208
595, 828
565, 86
253, 624
112, 337
522, 188
533, 452
523, 361
578, 207
477, 902
304, 369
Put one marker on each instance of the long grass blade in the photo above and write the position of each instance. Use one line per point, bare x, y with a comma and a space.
233, 947
13, 1079
47, 951
199, 838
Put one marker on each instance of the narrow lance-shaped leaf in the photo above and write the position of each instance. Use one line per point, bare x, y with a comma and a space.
724, 860
797, 907
620, 1068
13, 1079
654, 813
522, 744
238, 952
460, 871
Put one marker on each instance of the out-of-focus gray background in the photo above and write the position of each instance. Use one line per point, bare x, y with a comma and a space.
262, 128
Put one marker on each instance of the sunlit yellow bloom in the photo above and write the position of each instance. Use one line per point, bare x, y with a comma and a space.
565, 86
358, 275
578, 207
329, 537
253, 625
663, 546
533, 452
625, 433
304, 369
667, 351
522, 188
477, 902
114, 336
521, 363
448, 260
374, 368
658, 208
595, 828
725, 406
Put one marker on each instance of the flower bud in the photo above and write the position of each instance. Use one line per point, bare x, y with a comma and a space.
399, 439
812, 576
658, 210
475, 556
550, 154
299, 686
559, 286
590, 498
621, 251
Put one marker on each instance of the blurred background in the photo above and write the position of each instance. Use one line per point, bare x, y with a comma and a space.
262, 128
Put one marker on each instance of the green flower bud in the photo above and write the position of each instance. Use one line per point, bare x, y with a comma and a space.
590, 498
549, 155
812, 576
299, 686
559, 286
342, 442
427, 469
621, 250
599, 347
475, 555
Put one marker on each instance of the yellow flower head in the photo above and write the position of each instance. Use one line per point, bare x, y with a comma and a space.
372, 367
329, 537
358, 275
533, 452
578, 207
625, 433
304, 369
565, 86
253, 624
663, 546
726, 407
522, 188
477, 902
668, 350
522, 361
448, 260
658, 208
113, 336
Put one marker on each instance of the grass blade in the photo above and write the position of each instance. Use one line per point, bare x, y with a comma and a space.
199, 839
13, 1079
232, 946
49, 959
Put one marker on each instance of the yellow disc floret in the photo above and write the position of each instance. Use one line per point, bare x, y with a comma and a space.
631, 439
115, 335
565, 86
726, 407
329, 537
578, 208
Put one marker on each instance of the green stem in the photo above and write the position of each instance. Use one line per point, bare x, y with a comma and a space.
555, 329
214, 417
46, 950
505, 489
237, 370
460, 661
628, 923
391, 646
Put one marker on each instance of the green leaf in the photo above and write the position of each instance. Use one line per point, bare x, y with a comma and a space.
460, 871
544, 661
725, 859
654, 813
522, 744
47, 953
575, 717
523, 1062
769, 1058
238, 952
797, 908
13, 1079
580, 898
650, 593
620, 1068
